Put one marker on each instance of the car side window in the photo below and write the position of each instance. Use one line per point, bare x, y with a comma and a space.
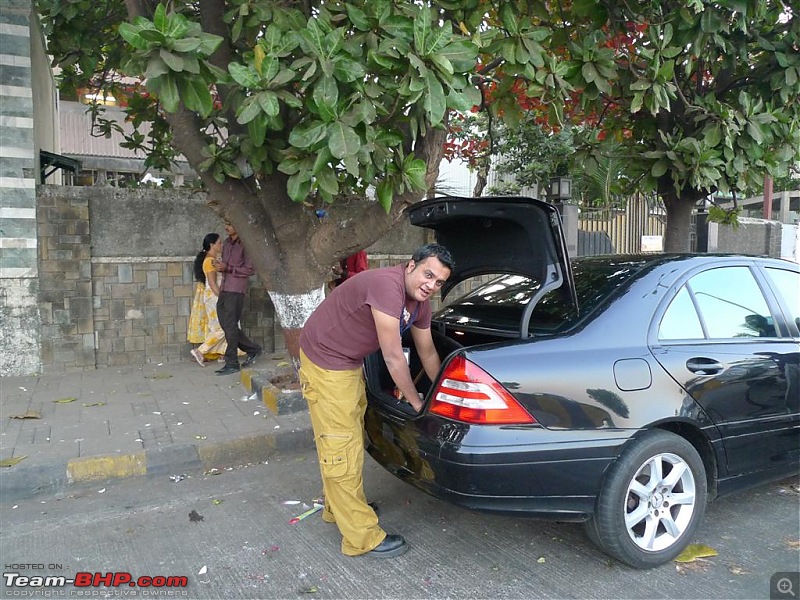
730, 302
680, 322
787, 285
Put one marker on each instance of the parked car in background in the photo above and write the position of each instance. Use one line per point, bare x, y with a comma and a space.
621, 391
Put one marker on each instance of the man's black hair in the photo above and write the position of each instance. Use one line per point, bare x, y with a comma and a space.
434, 250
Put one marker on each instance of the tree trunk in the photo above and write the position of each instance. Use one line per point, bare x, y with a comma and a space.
677, 235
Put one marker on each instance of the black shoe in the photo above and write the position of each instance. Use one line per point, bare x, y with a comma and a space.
251, 358
391, 546
227, 370
375, 508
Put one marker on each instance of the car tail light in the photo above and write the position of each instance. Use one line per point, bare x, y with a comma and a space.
467, 393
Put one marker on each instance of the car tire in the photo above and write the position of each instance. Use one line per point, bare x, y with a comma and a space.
651, 501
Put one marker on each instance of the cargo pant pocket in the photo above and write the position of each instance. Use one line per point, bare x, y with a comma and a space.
335, 450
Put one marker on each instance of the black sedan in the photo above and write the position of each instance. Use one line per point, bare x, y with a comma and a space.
621, 391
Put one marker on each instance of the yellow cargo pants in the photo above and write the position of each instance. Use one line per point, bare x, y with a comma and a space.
336, 402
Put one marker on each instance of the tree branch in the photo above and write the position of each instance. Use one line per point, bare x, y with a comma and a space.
212, 13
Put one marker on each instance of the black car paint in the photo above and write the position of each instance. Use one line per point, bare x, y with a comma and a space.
554, 469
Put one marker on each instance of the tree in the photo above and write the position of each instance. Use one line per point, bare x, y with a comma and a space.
314, 124
693, 97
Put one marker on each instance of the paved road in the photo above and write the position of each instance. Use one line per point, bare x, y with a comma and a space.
244, 547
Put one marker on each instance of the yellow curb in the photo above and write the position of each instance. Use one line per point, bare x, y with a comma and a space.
222, 453
247, 379
103, 467
269, 396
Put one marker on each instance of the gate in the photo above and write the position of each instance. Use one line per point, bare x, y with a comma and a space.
637, 227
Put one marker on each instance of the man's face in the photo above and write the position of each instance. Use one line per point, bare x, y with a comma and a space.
424, 278
231, 231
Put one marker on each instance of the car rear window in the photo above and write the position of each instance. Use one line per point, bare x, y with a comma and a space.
500, 303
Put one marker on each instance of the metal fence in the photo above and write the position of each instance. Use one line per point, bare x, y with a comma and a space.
637, 227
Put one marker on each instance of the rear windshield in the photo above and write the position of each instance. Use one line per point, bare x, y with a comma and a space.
499, 304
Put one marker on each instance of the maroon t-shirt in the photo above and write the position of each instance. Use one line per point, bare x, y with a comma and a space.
341, 331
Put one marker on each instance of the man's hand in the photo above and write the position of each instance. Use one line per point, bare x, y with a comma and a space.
417, 406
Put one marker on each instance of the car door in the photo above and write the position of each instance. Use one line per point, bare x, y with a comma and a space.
723, 337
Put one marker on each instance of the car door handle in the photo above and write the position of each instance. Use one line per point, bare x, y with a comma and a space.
703, 366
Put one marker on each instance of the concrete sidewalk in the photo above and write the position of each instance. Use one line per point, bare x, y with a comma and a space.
153, 420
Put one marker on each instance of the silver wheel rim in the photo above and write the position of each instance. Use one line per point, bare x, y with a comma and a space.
659, 502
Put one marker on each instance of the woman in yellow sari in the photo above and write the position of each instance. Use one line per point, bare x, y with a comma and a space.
214, 344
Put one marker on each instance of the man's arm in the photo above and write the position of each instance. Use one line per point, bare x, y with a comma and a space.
244, 269
426, 351
388, 329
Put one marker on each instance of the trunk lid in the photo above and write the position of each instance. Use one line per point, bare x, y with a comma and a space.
499, 235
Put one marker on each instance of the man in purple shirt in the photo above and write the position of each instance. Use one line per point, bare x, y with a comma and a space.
236, 269
369, 311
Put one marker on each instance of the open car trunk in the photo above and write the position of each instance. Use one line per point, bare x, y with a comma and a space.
515, 236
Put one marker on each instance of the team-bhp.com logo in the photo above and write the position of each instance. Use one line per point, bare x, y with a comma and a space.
94, 580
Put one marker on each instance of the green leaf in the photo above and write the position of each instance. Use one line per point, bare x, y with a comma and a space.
667, 70
414, 172
636, 103
326, 95
327, 181
152, 35
209, 44
130, 33
173, 61
249, 109
398, 26
305, 135
385, 194
299, 186
389, 137
168, 92
589, 72
244, 75
160, 17
186, 45
422, 29
268, 101
358, 17
270, 66
257, 130
156, 67
659, 168
443, 63
322, 161
10, 462
755, 132
348, 70
342, 140
435, 102
508, 18
464, 100
712, 136
196, 96
461, 55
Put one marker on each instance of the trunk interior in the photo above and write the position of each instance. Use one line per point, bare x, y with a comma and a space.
380, 383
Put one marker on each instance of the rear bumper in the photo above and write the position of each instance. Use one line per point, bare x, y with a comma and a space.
528, 471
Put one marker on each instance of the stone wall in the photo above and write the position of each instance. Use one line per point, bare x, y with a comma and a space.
116, 278
751, 236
